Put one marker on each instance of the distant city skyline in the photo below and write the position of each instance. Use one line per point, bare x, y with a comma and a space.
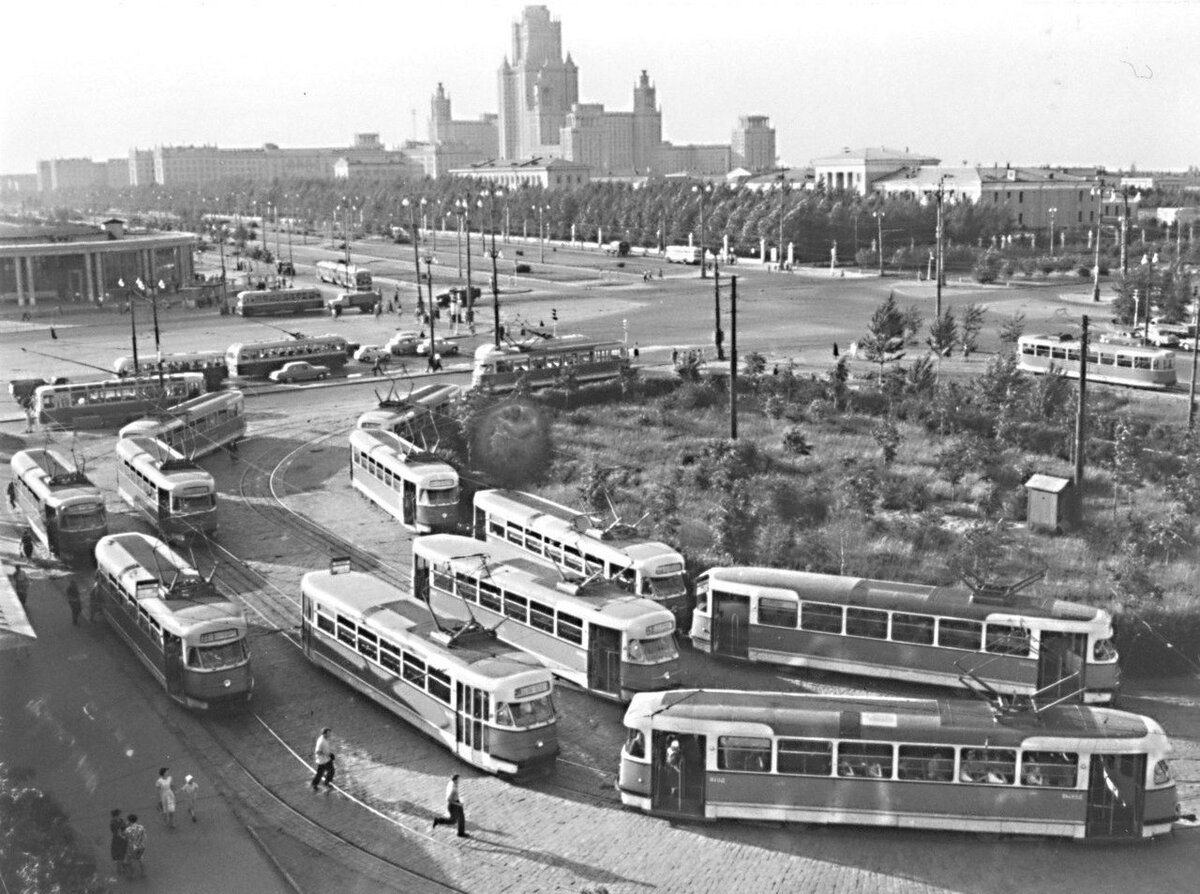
1110, 83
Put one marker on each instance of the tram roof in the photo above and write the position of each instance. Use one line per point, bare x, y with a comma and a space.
801, 715
397, 448
1073, 341
175, 469
193, 405
60, 480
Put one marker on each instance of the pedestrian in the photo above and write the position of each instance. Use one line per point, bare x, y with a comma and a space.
233, 451
21, 584
53, 334
27, 544
835, 350
166, 797
74, 602
674, 757
636, 351
190, 788
675, 357
377, 368
11, 490
378, 309
118, 845
454, 809
135, 841
323, 758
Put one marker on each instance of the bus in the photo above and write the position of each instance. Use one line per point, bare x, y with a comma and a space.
272, 302
683, 254
257, 359
190, 637
348, 276
997, 639
490, 706
590, 633
418, 415
196, 427
1069, 771
59, 502
1134, 365
210, 364
546, 362
573, 541
408, 482
173, 493
112, 402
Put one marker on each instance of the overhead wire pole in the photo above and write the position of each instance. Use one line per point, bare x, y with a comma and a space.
1195, 351
733, 358
1081, 420
1098, 191
416, 252
718, 335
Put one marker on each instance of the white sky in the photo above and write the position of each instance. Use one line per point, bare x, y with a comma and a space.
1056, 82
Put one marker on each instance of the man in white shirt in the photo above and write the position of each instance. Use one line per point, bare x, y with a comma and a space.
454, 809
323, 757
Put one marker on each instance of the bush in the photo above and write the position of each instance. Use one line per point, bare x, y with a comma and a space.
523, 268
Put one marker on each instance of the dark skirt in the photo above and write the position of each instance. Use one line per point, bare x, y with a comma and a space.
119, 844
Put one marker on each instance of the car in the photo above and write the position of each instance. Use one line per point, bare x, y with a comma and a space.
445, 347
372, 354
403, 343
299, 371
364, 301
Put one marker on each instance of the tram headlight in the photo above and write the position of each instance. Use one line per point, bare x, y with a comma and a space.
635, 650
228, 683
541, 744
1162, 773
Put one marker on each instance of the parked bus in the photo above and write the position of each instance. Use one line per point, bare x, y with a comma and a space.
490, 706
274, 302
1140, 367
573, 541
408, 482
113, 402
257, 359
1002, 640
683, 254
593, 633
192, 639
59, 502
173, 493
544, 363
196, 427
1068, 771
418, 415
347, 276
210, 364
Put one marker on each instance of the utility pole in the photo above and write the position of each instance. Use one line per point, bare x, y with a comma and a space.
938, 253
718, 335
733, 358
412, 225
1081, 420
1192, 386
1099, 193
432, 360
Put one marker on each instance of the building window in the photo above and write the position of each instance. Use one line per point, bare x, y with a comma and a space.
1020, 220
1021, 197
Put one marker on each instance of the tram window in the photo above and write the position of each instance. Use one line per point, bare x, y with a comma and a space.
933, 763
1043, 350
1125, 360
821, 617
570, 628
1073, 355
541, 616
495, 527
514, 534
1141, 362
414, 670
871, 759
1093, 357
1049, 769
489, 595
368, 645
389, 657
912, 629
516, 607
955, 634
466, 587
1005, 639
743, 753
553, 550
443, 580
778, 612
439, 685
533, 541
866, 622
1103, 650
702, 588
346, 631
994, 766
572, 558
635, 743
805, 757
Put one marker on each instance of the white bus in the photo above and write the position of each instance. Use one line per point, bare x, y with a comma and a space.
683, 254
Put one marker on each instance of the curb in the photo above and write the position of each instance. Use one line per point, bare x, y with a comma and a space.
287, 876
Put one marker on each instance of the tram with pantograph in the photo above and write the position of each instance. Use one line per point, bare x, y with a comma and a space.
543, 363
414, 486
1116, 364
196, 427
589, 632
166, 488
258, 359
210, 364
416, 415
60, 504
112, 403
487, 704
191, 638
1066, 770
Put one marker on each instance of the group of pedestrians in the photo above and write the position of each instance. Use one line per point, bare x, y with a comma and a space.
128, 844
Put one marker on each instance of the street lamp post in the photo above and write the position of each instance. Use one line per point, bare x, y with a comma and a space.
1098, 192
1053, 212
412, 228
465, 205
701, 192
879, 215
782, 183
541, 234
431, 360
940, 271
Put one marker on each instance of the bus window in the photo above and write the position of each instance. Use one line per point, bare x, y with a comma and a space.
805, 757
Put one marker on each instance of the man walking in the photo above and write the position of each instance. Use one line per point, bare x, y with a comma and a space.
190, 788
323, 757
454, 809
74, 602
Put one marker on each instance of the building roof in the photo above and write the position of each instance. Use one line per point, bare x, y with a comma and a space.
1048, 483
876, 154
33, 231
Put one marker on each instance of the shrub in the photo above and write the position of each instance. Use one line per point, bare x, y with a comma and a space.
523, 268
795, 443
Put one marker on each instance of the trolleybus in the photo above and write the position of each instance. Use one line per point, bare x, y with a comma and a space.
173, 493
1140, 367
543, 363
112, 402
593, 633
195, 427
996, 639
189, 636
210, 364
570, 539
1071, 771
489, 705
59, 502
345, 275
273, 302
409, 483
418, 414
257, 359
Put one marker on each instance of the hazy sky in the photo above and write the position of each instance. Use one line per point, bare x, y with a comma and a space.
1113, 83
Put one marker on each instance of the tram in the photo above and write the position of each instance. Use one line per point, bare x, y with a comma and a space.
1070, 771
1134, 365
192, 639
196, 427
257, 359
543, 363
593, 634
210, 364
415, 415
272, 302
112, 402
490, 706
411, 484
173, 493
60, 504
997, 640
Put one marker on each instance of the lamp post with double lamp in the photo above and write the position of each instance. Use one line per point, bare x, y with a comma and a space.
879, 215
541, 233
702, 191
492, 194
1053, 212
412, 229
465, 205
940, 194
431, 360
1098, 192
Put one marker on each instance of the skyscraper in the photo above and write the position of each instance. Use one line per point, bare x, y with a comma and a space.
537, 89
754, 143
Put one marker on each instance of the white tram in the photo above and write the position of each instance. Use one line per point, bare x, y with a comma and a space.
112, 402
196, 427
192, 639
411, 484
418, 414
173, 493
60, 504
543, 363
259, 358
488, 705
1134, 365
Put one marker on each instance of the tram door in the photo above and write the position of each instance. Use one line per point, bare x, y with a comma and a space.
604, 659
470, 732
173, 658
1061, 662
51, 530
421, 580
479, 532
730, 624
677, 773
1116, 795
408, 503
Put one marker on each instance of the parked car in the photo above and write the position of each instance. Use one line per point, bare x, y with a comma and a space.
403, 343
445, 347
299, 371
372, 353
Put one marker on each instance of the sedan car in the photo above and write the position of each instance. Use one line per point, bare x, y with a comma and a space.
445, 347
299, 371
403, 343
372, 353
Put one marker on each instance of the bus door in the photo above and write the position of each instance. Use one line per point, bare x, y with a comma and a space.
677, 773
1116, 793
1061, 662
730, 624
604, 659
173, 660
470, 732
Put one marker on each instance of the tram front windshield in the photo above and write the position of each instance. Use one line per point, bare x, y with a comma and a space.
217, 657
666, 587
80, 518
439, 496
649, 651
194, 503
532, 712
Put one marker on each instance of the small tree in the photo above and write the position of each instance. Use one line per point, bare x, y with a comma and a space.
943, 333
795, 443
887, 436
884, 341
1127, 451
1012, 328
972, 325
